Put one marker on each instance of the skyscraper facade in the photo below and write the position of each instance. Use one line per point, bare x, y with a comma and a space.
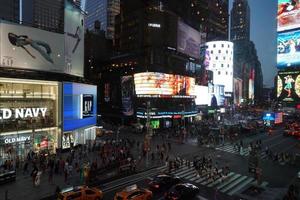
240, 21
9, 10
103, 11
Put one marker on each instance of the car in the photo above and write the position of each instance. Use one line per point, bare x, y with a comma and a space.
182, 191
133, 192
163, 182
80, 193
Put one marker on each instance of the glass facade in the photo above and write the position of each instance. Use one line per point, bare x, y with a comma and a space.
29, 117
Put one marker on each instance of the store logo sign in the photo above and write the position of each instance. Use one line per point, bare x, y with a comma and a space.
16, 139
20, 113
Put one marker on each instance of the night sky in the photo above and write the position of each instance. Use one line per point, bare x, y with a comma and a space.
263, 34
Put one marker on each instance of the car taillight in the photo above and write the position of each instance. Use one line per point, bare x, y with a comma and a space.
156, 186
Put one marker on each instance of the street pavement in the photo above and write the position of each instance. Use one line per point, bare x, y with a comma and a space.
275, 175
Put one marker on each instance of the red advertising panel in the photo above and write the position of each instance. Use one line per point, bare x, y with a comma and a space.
288, 15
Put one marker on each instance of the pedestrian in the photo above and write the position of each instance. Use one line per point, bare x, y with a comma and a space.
34, 174
25, 168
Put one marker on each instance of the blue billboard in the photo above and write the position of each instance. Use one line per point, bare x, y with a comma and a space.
288, 49
79, 105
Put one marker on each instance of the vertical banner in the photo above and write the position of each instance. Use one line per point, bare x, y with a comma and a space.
127, 95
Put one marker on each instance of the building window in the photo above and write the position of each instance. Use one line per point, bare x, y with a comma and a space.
228, 65
214, 65
212, 52
217, 57
222, 45
219, 72
226, 73
214, 46
219, 51
222, 65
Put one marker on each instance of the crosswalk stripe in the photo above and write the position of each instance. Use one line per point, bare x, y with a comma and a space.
234, 177
240, 186
219, 180
234, 183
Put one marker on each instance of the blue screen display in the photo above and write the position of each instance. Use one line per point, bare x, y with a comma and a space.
79, 105
288, 49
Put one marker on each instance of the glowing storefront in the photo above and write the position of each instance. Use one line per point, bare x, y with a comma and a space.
29, 116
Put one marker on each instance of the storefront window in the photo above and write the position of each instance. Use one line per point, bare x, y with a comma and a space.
28, 117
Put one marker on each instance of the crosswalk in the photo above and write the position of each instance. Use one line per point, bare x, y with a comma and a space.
230, 185
245, 152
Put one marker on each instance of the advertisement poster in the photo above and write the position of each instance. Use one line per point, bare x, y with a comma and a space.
127, 89
237, 90
31, 48
288, 15
188, 40
154, 83
74, 39
288, 86
288, 49
79, 107
251, 84
202, 96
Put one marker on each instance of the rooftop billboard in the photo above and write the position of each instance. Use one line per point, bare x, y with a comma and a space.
188, 40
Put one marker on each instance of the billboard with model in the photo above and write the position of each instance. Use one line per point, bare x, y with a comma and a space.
163, 85
288, 15
188, 40
74, 39
288, 86
79, 105
288, 49
25, 47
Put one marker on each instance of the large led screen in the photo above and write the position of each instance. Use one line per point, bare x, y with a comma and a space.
127, 89
202, 96
188, 40
288, 49
288, 15
154, 83
79, 105
288, 86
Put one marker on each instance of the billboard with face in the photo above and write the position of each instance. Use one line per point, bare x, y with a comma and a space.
288, 15
288, 86
288, 49
188, 40
74, 39
163, 85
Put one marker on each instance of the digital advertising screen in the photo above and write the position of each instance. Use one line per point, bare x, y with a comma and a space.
288, 49
127, 89
163, 85
79, 105
288, 15
288, 86
202, 96
188, 40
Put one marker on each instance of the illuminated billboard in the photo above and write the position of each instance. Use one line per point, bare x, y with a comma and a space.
288, 49
79, 105
188, 40
288, 86
202, 96
288, 15
154, 84
238, 87
219, 59
127, 89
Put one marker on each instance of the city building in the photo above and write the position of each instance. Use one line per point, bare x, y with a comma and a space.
9, 10
240, 21
247, 73
45, 103
103, 11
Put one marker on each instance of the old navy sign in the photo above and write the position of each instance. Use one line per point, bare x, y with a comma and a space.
16, 139
20, 113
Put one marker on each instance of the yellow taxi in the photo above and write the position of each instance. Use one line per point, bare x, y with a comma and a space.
133, 193
80, 193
